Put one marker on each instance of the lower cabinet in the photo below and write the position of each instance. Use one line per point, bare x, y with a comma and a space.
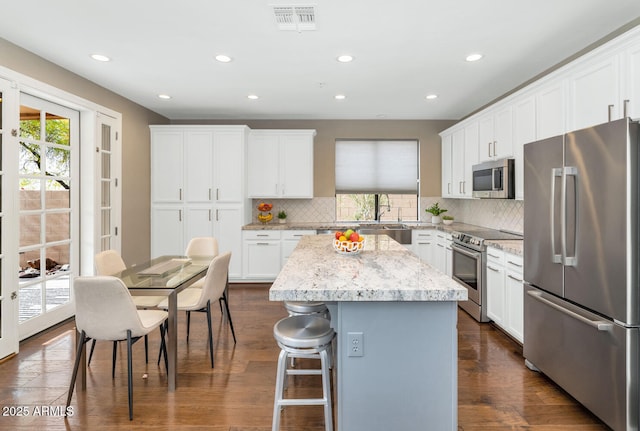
265, 252
433, 247
505, 291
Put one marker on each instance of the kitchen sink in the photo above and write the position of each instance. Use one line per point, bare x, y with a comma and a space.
398, 232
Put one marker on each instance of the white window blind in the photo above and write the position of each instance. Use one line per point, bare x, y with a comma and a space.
382, 166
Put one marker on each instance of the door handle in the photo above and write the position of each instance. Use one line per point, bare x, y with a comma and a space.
610, 112
625, 107
489, 149
600, 325
555, 172
567, 172
494, 148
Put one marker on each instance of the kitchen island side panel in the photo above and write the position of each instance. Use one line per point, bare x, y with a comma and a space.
407, 378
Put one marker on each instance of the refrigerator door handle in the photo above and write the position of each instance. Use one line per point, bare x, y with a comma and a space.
566, 260
600, 325
555, 172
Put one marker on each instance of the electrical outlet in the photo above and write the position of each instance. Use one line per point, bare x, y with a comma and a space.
355, 342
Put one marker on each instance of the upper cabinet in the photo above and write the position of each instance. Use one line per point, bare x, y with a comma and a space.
459, 153
280, 164
600, 86
495, 134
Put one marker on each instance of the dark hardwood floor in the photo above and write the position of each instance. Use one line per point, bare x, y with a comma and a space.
496, 391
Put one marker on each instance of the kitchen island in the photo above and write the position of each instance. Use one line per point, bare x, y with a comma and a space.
403, 375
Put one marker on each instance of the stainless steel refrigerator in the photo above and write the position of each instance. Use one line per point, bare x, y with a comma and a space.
581, 258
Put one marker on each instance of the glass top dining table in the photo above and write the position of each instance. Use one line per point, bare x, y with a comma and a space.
164, 276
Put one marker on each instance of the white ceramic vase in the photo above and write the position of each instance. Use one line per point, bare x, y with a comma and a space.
436, 219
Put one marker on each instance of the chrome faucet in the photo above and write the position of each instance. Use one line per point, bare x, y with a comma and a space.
388, 205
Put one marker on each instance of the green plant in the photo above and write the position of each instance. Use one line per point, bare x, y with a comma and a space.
447, 217
282, 215
435, 210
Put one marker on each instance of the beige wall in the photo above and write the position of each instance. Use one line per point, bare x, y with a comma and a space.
135, 141
425, 131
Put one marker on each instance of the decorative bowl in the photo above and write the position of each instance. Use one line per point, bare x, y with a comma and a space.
348, 247
447, 222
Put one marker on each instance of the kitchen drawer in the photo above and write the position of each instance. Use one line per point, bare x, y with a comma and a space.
261, 234
495, 256
513, 262
421, 236
296, 234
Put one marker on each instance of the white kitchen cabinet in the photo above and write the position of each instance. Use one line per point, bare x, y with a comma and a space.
505, 292
457, 163
631, 83
440, 257
551, 109
423, 244
594, 91
524, 131
471, 140
447, 179
261, 254
198, 188
280, 164
290, 239
495, 286
495, 134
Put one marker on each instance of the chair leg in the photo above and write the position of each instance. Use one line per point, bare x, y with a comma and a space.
163, 345
76, 364
226, 305
188, 324
113, 362
208, 308
93, 346
130, 374
146, 349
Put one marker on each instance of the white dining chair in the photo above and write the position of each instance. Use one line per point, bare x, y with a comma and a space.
201, 246
215, 282
105, 311
109, 262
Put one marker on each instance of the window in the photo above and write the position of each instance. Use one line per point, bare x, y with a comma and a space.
377, 180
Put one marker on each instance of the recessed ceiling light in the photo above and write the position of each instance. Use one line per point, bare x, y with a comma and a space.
340, 97
223, 58
164, 96
345, 58
100, 57
474, 57
252, 96
432, 96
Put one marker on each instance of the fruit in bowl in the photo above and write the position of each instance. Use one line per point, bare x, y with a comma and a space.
265, 218
264, 207
348, 241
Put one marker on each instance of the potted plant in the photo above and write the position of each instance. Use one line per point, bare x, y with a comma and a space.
447, 219
435, 211
282, 216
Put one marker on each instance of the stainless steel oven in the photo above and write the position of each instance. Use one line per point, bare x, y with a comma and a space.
469, 267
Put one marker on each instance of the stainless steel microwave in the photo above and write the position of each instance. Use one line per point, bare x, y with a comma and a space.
494, 179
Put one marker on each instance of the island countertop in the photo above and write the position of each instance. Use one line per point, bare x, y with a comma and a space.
384, 271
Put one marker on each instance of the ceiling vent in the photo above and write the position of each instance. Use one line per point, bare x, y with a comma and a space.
298, 18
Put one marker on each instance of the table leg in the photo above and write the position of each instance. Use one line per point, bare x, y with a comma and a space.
172, 341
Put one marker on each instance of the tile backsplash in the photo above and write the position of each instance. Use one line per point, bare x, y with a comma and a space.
491, 213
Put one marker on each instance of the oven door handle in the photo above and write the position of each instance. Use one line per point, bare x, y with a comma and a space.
472, 254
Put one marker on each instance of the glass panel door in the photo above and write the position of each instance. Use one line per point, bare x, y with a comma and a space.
47, 176
8, 293
109, 192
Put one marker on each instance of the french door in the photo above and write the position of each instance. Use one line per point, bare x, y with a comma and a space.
8, 221
48, 172
108, 172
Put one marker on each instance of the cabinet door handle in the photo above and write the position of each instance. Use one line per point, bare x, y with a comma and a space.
217, 194
494, 148
625, 108
209, 215
519, 280
266, 235
179, 215
440, 245
493, 269
209, 193
262, 243
217, 215
460, 187
493, 255
489, 149
180, 193
448, 188
519, 265
610, 111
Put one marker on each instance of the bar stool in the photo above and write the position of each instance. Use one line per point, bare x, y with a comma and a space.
297, 308
304, 336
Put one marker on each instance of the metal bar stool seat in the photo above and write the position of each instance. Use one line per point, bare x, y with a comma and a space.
304, 336
295, 308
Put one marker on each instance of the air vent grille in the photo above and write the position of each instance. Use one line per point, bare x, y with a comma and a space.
299, 18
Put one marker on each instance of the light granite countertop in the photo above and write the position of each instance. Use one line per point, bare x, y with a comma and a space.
383, 271
510, 246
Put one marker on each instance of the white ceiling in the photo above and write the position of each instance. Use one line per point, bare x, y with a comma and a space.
403, 49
